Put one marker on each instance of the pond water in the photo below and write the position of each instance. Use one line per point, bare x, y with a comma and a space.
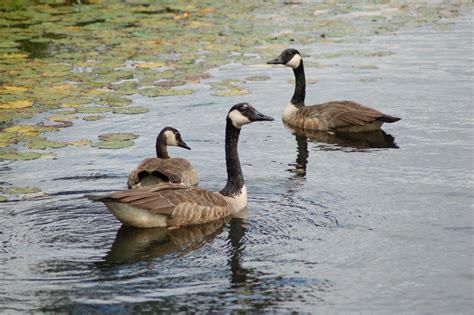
333, 224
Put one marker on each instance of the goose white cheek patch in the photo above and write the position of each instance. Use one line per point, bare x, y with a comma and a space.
238, 120
170, 138
294, 62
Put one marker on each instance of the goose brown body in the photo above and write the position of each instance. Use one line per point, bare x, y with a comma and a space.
339, 116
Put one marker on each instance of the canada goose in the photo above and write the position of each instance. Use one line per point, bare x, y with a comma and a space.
341, 116
173, 205
152, 171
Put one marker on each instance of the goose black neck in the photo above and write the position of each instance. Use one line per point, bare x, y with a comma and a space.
300, 86
235, 178
161, 147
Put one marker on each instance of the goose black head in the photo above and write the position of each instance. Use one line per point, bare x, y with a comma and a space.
173, 138
289, 57
244, 113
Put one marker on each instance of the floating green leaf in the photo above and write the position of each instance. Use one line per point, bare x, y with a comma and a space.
129, 110
17, 155
17, 190
120, 136
112, 144
93, 110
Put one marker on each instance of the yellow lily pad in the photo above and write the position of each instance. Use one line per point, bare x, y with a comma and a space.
232, 92
14, 56
78, 143
62, 118
12, 88
23, 129
17, 190
16, 104
149, 65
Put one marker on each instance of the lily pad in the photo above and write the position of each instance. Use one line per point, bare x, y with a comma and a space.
17, 190
79, 143
17, 155
93, 110
112, 144
92, 117
62, 118
149, 65
41, 144
258, 78
129, 110
117, 136
232, 92
23, 130
16, 104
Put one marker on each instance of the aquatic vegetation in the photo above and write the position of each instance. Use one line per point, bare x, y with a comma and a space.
16, 190
228, 87
115, 140
87, 58
19, 156
258, 78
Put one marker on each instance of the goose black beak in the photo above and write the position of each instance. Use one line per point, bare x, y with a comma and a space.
276, 61
261, 117
183, 144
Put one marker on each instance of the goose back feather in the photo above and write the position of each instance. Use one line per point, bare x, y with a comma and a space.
152, 171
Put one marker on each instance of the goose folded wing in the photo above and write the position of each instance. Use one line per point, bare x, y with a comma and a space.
346, 113
166, 167
182, 204
174, 169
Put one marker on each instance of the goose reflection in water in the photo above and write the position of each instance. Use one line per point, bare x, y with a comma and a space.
351, 142
134, 244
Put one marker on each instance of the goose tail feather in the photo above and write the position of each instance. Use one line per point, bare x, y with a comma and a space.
388, 118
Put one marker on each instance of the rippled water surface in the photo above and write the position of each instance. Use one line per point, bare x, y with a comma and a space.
382, 223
